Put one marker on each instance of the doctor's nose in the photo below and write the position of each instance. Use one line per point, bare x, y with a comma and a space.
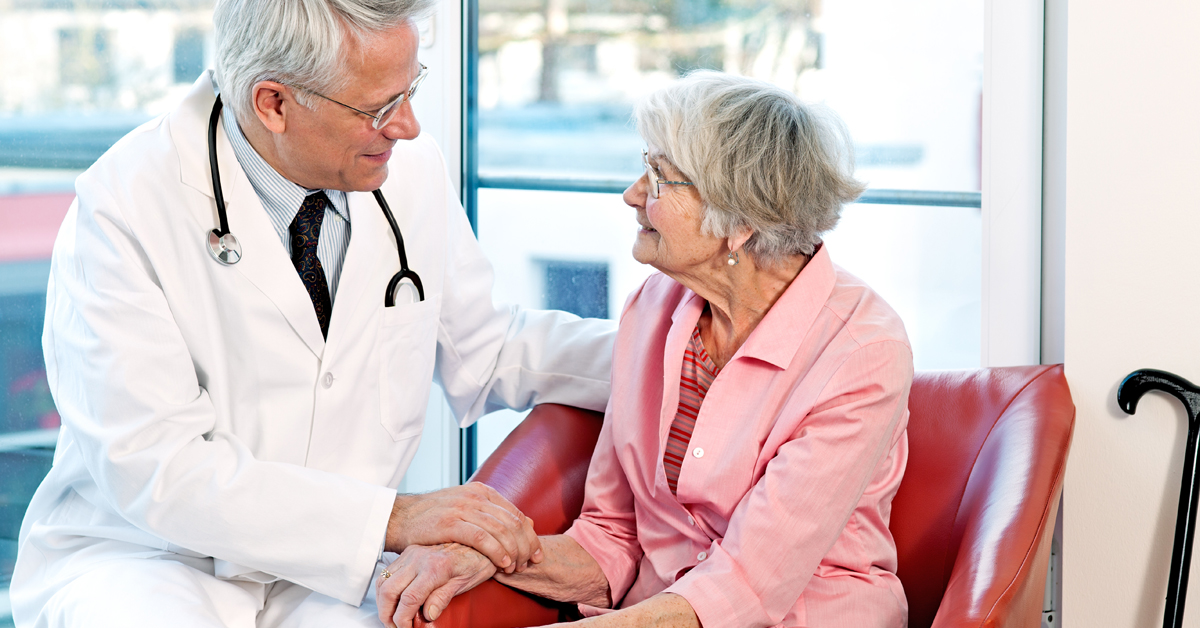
403, 125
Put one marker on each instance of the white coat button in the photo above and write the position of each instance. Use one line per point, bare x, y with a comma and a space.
691, 520
701, 555
327, 381
698, 452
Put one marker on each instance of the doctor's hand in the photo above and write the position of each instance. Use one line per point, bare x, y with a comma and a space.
474, 515
429, 577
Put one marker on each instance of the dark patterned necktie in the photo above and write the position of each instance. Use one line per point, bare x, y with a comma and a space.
305, 231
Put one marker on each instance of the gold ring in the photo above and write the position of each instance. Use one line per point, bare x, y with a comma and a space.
386, 574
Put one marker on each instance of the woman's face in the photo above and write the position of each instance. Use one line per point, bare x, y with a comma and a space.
670, 238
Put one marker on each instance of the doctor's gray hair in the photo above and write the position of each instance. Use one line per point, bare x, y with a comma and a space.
760, 159
296, 42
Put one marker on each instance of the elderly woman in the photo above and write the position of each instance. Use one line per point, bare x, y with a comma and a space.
756, 432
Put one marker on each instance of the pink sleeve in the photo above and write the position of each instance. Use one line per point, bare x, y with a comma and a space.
606, 527
806, 496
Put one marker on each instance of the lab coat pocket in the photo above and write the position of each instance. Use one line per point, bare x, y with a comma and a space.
407, 343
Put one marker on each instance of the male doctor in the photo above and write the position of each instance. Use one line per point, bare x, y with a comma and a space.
233, 433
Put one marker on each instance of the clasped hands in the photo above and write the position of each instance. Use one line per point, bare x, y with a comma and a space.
450, 541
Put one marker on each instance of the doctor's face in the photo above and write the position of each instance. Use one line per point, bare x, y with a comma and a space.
333, 147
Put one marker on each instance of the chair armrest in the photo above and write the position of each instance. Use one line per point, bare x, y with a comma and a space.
541, 468
1006, 517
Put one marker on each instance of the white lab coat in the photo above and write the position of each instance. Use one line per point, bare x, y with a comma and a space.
203, 413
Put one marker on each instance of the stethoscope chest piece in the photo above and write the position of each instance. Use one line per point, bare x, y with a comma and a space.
224, 248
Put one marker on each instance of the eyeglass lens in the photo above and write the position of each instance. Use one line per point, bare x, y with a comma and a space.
389, 110
651, 175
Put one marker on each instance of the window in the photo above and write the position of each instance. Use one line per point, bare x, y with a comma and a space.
580, 288
556, 81
74, 78
188, 55
84, 57
28, 420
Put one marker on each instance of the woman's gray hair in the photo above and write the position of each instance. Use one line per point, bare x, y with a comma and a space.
759, 158
296, 42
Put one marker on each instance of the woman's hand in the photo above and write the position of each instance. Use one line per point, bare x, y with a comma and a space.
430, 577
568, 574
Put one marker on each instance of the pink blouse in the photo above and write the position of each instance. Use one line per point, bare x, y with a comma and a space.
781, 516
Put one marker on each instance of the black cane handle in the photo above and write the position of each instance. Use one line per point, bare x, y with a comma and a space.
1143, 381
1135, 385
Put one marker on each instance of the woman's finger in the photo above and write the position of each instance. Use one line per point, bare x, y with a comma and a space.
388, 591
440, 598
435, 572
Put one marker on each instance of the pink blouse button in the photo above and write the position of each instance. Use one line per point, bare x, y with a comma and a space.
698, 452
701, 555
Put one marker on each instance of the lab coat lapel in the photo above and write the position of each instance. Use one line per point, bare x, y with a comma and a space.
367, 259
264, 261
188, 124
266, 264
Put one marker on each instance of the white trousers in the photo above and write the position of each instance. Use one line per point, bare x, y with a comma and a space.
136, 592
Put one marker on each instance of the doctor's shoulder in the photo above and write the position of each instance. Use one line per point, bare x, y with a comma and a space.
148, 143
137, 188
144, 154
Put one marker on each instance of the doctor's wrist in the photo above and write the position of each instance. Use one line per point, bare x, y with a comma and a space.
395, 539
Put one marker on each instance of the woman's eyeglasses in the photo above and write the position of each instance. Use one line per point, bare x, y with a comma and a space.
655, 178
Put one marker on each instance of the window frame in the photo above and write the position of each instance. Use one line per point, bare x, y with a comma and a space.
1010, 201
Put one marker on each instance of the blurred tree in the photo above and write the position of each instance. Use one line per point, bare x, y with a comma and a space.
773, 40
552, 48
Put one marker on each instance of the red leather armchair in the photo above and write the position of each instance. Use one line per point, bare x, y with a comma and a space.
972, 520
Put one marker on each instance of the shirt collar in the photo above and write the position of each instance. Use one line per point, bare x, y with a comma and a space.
779, 334
280, 198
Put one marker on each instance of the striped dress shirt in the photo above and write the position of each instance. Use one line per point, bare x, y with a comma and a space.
697, 376
282, 199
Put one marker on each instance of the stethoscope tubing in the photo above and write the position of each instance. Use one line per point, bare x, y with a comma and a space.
389, 298
227, 251
216, 172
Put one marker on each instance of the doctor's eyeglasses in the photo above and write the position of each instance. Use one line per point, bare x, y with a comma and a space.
385, 114
654, 178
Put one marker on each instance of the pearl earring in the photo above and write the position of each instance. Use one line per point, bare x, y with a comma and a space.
734, 258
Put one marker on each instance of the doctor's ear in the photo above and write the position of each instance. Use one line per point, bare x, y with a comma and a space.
271, 103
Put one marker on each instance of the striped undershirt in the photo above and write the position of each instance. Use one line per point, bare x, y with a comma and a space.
697, 375
282, 199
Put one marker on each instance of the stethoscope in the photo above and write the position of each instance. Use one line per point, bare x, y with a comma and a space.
226, 249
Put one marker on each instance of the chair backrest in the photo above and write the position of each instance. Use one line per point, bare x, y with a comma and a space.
974, 516
542, 465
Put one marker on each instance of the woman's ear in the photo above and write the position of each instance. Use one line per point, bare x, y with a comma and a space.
738, 239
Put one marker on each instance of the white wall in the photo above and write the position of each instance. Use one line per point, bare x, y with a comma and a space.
1132, 219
